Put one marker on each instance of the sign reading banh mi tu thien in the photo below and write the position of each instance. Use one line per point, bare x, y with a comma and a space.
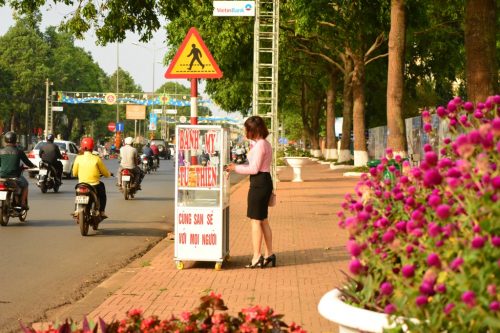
234, 8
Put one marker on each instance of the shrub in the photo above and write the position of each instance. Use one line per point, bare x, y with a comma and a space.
426, 242
292, 151
206, 318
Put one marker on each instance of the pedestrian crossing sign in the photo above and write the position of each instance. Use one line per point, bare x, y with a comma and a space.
193, 60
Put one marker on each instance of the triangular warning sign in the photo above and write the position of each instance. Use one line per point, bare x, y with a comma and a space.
193, 60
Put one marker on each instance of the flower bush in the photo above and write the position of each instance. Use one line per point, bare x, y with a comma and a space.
425, 244
206, 318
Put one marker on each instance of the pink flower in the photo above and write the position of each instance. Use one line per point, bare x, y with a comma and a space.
492, 289
477, 242
433, 260
448, 308
388, 236
443, 211
355, 267
354, 248
495, 306
408, 271
495, 182
441, 112
390, 308
386, 288
495, 241
421, 300
456, 263
469, 298
441, 288
432, 177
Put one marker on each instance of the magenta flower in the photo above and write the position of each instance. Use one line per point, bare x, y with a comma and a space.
441, 112
456, 263
495, 241
432, 177
443, 211
427, 128
386, 288
388, 236
434, 200
355, 267
421, 300
441, 288
408, 271
427, 288
495, 182
495, 306
354, 248
390, 308
477, 242
433, 260
469, 298
448, 308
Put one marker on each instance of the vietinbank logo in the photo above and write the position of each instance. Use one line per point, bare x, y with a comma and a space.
234, 8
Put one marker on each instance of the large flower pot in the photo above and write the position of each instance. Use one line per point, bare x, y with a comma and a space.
296, 163
349, 318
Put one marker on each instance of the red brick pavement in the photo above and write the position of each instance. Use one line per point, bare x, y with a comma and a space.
309, 246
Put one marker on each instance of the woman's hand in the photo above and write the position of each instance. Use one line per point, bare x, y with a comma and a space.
230, 167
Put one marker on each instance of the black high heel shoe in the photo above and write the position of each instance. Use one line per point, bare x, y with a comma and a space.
259, 263
270, 260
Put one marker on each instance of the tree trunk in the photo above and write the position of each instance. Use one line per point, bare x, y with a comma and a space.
358, 95
331, 142
315, 110
345, 142
480, 48
396, 139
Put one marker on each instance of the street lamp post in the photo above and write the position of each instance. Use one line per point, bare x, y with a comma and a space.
153, 49
118, 136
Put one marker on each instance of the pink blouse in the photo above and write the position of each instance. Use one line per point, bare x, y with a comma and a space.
259, 159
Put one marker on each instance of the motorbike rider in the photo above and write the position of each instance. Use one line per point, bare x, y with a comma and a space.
146, 150
10, 167
129, 160
50, 154
156, 153
89, 168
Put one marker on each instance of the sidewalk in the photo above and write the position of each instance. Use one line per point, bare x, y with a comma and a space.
309, 246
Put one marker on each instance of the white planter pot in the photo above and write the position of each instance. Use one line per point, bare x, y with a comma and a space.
296, 163
349, 318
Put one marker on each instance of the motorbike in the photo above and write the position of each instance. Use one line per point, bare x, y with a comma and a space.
86, 211
10, 198
156, 164
128, 184
146, 166
47, 178
240, 156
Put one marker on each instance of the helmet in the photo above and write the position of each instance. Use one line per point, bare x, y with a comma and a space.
128, 140
10, 137
87, 144
50, 138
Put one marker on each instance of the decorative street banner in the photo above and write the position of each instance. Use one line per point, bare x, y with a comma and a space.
132, 98
136, 112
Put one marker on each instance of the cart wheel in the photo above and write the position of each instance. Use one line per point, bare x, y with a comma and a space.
179, 265
218, 266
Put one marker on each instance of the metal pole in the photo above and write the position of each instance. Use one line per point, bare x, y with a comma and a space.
117, 81
46, 107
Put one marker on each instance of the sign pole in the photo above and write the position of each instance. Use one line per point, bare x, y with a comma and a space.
194, 112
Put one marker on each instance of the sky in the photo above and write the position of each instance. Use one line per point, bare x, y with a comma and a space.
133, 56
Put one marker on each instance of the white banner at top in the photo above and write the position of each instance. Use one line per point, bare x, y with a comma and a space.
234, 8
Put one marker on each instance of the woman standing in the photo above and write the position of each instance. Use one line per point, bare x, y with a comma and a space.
261, 187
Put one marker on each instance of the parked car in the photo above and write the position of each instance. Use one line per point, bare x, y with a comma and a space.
69, 151
162, 148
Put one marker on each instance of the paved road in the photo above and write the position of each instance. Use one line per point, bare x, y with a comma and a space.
46, 263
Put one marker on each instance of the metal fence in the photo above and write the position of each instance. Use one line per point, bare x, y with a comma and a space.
415, 137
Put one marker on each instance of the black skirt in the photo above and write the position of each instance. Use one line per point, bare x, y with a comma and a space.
261, 187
